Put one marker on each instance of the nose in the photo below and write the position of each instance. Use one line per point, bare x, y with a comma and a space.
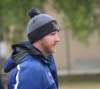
57, 37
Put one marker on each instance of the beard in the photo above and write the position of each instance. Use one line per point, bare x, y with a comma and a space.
50, 48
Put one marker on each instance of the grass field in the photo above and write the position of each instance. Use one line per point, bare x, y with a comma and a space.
80, 86
86, 82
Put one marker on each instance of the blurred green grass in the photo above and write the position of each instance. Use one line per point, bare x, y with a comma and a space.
80, 86
80, 82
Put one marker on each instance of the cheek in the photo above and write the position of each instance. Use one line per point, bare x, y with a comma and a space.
48, 40
48, 44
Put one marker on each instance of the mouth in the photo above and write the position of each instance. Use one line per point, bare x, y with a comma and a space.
56, 43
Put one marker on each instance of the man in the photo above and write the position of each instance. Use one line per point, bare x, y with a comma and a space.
31, 64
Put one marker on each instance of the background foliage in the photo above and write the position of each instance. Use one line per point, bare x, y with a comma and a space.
78, 14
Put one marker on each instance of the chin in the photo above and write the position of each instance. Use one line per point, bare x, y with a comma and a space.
53, 50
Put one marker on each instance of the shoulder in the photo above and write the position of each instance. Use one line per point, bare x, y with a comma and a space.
30, 62
30, 69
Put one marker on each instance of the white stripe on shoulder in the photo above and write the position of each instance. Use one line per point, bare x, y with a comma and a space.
17, 77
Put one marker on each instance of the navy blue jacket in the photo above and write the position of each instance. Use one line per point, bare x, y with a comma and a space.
29, 69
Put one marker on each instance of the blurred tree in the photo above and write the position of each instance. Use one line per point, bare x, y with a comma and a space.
79, 13
13, 17
96, 14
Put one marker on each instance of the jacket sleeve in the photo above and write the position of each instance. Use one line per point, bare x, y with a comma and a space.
53, 70
9, 65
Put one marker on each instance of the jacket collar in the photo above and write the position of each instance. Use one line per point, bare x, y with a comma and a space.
27, 47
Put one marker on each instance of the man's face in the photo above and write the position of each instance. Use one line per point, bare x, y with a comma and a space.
49, 42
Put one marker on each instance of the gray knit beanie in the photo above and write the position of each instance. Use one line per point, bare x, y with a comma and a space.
40, 25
